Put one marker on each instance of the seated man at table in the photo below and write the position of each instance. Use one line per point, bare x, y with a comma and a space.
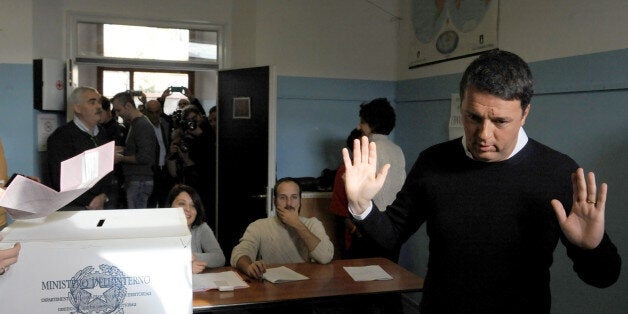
285, 238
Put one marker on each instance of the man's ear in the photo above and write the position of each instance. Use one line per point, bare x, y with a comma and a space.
525, 114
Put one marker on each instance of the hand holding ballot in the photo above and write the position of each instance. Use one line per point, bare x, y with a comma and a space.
26, 198
8, 257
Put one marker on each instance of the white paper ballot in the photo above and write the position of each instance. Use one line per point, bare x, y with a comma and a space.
367, 273
27, 199
282, 274
224, 281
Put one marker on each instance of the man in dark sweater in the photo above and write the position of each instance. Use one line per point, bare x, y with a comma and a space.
495, 203
138, 156
75, 137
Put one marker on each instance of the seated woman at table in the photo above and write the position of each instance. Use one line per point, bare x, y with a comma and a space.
284, 238
206, 251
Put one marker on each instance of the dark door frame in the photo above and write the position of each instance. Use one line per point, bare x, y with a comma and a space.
263, 196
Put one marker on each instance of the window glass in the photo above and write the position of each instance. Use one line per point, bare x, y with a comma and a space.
152, 83
146, 43
89, 41
157, 82
114, 82
139, 42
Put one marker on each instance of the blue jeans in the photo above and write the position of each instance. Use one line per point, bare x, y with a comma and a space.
137, 193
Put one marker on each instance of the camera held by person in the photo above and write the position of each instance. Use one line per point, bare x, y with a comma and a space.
180, 122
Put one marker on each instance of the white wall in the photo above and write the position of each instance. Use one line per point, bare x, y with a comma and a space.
16, 41
216, 11
538, 30
50, 28
50, 22
327, 38
242, 33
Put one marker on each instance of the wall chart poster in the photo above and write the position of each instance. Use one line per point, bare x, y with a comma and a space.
451, 29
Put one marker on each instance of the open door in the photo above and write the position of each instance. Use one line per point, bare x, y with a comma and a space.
246, 150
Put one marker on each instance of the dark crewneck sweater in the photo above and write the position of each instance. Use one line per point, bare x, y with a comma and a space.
491, 227
66, 142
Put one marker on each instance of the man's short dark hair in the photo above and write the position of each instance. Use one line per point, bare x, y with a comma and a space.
124, 97
502, 74
379, 115
286, 179
105, 103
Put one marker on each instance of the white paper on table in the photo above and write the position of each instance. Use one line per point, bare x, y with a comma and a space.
282, 274
27, 199
367, 273
208, 281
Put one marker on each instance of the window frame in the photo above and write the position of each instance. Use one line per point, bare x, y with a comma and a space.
100, 70
72, 44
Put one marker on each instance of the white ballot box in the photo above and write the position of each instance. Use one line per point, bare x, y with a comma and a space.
100, 261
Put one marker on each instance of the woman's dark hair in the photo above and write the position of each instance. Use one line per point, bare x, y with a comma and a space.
196, 199
379, 115
502, 74
355, 134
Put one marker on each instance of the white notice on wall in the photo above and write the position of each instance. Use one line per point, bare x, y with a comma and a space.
46, 124
455, 122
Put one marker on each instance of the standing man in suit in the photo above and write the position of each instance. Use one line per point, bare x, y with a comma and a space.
163, 181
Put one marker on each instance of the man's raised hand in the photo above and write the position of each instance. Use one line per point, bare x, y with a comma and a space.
362, 181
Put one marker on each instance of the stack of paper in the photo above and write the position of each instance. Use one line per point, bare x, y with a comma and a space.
227, 279
282, 274
368, 273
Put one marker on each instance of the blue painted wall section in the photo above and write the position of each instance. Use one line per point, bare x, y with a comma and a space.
314, 118
18, 118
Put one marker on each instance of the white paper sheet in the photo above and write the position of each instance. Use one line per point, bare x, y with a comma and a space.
368, 273
27, 199
282, 274
208, 281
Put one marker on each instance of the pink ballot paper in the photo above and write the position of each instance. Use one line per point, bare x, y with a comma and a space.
26, 199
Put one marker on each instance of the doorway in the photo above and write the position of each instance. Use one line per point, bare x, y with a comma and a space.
246, 150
